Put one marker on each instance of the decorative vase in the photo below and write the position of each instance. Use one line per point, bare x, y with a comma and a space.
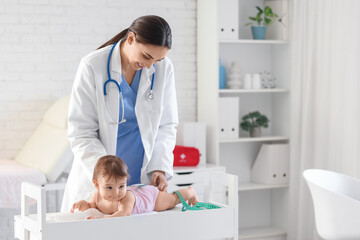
268, 81
234, 76
222, 75
255, 132
258, 32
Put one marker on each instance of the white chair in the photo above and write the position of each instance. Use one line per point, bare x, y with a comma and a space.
41, 161
336, 199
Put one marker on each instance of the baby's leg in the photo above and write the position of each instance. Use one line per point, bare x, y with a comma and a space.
166, 200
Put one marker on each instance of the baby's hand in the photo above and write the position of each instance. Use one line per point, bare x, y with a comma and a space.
91, 217
81, 205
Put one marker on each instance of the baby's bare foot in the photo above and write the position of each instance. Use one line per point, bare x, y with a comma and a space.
193, 198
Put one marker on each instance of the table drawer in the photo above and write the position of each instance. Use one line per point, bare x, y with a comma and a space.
189, 177
199, 187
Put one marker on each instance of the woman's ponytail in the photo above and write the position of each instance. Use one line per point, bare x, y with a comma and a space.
119, 37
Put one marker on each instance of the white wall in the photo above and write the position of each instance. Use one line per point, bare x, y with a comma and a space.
42, 42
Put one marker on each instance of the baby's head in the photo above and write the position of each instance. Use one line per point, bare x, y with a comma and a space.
110, 177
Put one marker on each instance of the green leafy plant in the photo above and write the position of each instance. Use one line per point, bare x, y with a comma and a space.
263, 17
253, 120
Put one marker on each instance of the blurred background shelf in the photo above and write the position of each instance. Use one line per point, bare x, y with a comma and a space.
258, 186
272, 90
251, 41
260, 232
255, 139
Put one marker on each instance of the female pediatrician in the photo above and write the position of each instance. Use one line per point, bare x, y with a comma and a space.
123, 103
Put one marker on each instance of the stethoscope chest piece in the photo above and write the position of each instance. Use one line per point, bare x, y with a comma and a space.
149, 96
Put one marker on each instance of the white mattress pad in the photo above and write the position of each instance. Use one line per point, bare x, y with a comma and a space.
81, 216
12, 174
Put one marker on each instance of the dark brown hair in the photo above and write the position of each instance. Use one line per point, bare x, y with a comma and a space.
110, 166
148, 29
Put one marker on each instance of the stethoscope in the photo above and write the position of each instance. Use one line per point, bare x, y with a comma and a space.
148, 96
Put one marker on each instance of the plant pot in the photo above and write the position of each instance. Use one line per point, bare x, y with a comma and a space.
258, 32
255, 132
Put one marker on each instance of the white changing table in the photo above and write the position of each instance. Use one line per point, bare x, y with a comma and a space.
173, 224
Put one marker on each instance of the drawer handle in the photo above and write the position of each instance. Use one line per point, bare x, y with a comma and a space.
184, 173
184, 184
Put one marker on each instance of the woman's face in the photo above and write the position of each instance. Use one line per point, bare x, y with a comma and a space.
143, 55
113, 189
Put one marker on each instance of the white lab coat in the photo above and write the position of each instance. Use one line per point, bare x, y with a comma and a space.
91, 133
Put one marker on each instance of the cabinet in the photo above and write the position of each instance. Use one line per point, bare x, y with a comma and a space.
195, 177
263, 209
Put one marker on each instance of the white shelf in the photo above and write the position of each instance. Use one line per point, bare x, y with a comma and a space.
258, 186
252, 41
261, 232
264, 90
255, 139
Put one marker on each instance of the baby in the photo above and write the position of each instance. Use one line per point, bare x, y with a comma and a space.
112, 196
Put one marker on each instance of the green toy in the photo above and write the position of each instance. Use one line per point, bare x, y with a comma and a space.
197, 206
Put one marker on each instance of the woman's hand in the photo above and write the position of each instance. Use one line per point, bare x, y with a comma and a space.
81, 205
158, 180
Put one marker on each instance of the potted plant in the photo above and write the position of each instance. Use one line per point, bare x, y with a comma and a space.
253, 122
262, 19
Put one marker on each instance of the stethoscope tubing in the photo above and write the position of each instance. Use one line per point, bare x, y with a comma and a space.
149, 96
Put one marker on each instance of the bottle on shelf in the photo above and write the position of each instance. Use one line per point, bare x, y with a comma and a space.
247, 81
256, 81
222, 75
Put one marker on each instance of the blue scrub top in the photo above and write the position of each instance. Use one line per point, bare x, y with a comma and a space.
129, 145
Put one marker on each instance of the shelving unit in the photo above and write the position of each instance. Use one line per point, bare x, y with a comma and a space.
263, 208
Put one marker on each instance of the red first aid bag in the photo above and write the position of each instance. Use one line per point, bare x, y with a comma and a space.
186, 156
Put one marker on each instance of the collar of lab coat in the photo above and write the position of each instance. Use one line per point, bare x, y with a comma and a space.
116, 63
